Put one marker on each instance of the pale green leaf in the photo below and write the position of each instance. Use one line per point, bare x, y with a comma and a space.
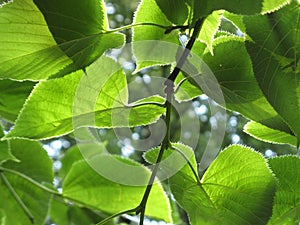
267, 134
31, 156
286, 206
12, 98
98, 99
39, 55
209, 29
110, 196
149, 12
275, 53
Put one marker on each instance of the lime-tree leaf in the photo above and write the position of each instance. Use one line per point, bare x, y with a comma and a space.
149, 12
209, 28
203, 8
275, 54
38, 55
237, 188
98, 99
21, 176
12, 98
79, 30
5, 153
111, 196
240, 89
286, 206
267, 134
176, 10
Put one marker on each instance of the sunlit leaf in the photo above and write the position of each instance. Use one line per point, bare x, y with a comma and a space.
31, 156
237, 188
286, 206
149, 12
38, 55
83, 181
267, 134
98, 99
275, 54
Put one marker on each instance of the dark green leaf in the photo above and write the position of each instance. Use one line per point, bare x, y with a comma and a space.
275, 54
12, 98
286, 206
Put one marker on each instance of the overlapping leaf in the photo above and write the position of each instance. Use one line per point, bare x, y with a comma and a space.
38, 55
36, 200
203, 8
98, 99
152, 52
84, 181
5, 153
237, 188
12, 97
275, 54
267, 134
286, 208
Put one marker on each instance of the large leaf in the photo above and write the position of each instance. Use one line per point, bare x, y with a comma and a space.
275, 54
150, 53
237, 188
110, 196
38, 55
237, 82
286, 208
12, 98
20, 176
267, 134
247, 7
98, 99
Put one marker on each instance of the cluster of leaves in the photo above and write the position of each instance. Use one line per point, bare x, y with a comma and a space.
56, 80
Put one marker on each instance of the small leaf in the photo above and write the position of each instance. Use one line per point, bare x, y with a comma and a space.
267, 134
110, 196
98, 99
31, 156
286, 206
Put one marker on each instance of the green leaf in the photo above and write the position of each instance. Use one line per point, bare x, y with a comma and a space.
209, 29
31, 156
5, 153
267, 134
12, 97
82, 181
79, 30
98, 99
175, 10
286, 206
203, 8
38, 55
237, 188
149, 12
239, 87
275, 53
